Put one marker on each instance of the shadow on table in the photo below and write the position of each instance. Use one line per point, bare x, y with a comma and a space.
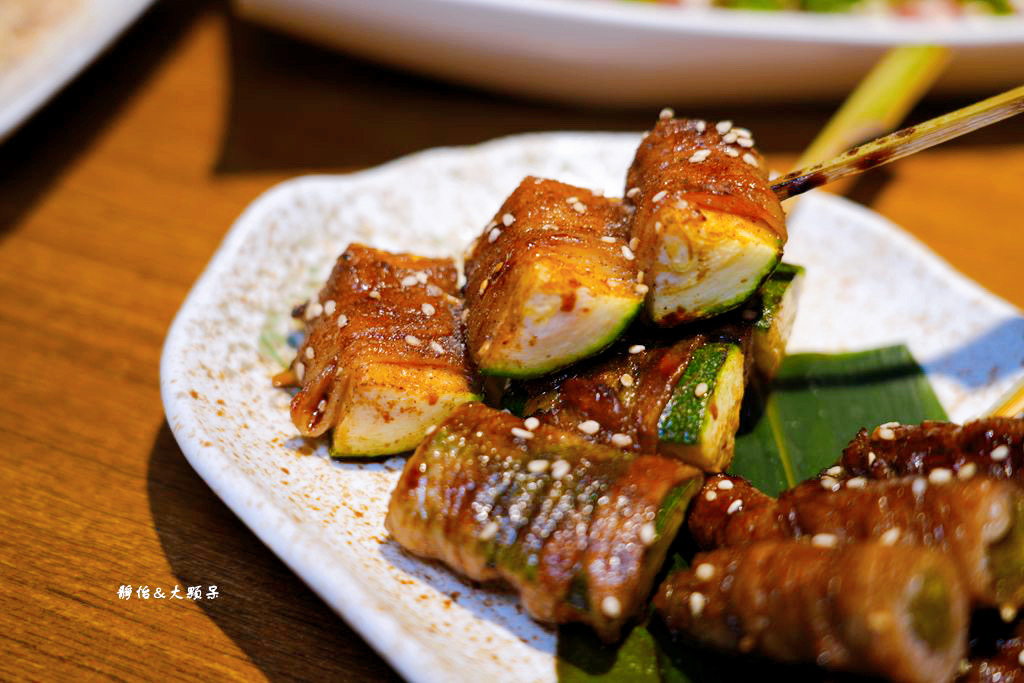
48, 143
281, 625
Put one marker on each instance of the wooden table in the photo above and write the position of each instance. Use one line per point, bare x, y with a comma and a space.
113, 198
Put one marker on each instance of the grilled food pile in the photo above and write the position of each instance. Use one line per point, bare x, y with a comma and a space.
574, 404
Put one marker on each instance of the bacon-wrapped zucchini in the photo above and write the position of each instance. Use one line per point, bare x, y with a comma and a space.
384, 357
992, 447
551, 280
680, 399
708, 226
893, 611
977, 522
577, 528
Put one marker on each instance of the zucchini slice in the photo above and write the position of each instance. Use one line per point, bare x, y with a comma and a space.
774, 321
699, 422
384, 357
709, 228
679, 399
550, 281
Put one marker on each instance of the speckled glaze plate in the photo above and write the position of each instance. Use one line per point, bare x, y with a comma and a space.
868, 284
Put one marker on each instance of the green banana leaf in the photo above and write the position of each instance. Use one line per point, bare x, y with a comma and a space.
815, 406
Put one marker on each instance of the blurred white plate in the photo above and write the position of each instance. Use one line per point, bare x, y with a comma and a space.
868, 284
615, 52
46, 43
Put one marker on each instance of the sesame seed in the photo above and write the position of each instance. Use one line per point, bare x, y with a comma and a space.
1000, 452
745, 142
522, 434
464, 316
589, 427
856, 483
750, 159
891, 425
430, 430
408, 281
531, 423
704, 571
314, 310
572, 200
483, 286
919, 486
537, 466
729, 137
622, 440
886, 433
428, 309
434, 290
967, 471
641, 289
890, 536
723, 127
666, 113
436, 348
871, 457
1007, 613
321, 405
493, 235
742, 132
309, 352
648, 534
412, 341
632, 192
700, 390
659, 196
610, 607
1020, 657
699, 156
484, 348
627, 253
774, 175
637, 348
725, 485
342, 320
710, 496
579, 207
834, 471
731, 152
940, 475
640, 276
829, 484
697, 602
824, 540
634, 243
300, 370
700, 125
734, 507
508, 219
374, 294
330, 306
489, 531
608, 239
657, 227
559, 469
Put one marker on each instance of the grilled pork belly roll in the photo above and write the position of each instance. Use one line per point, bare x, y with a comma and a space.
578, 529
978, 522
384, 356
551, 280
680, 399
894, 611
991, 447
708, 226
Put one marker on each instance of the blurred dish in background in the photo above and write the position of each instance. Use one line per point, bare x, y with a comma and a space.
45, 43
613, 52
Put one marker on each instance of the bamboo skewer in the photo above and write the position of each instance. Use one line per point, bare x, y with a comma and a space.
902, 143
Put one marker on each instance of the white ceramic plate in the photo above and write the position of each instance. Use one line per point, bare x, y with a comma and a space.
45, 43
868, 284
617, 52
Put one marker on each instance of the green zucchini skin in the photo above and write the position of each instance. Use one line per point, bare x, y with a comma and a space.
579, 529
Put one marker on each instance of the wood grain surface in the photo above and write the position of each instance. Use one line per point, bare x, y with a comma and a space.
112, 200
